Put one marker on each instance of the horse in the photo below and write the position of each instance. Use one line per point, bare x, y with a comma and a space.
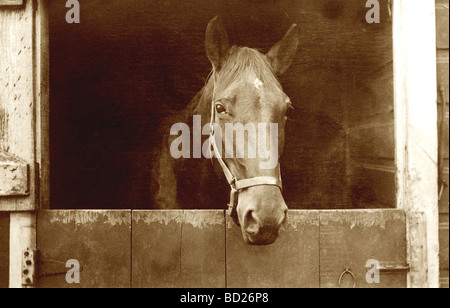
243, 87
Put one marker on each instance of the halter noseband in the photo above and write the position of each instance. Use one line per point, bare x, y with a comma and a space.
235, 184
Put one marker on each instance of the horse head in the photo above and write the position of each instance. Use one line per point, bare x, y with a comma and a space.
247, 95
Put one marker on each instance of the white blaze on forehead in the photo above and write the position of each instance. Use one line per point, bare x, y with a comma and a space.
258, 83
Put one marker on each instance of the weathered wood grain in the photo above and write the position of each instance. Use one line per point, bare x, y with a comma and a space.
292, 261
348, 239
442, 40
443, 241
14, 177
416, 134
17, 95
442, 19
178, 249
22, 236
42, 86
199, 249
99, 240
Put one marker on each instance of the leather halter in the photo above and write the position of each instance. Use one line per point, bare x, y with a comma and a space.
235, 184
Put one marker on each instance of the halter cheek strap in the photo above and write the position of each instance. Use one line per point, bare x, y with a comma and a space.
237, 185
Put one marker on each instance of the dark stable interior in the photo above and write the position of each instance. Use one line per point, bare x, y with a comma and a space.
118, 73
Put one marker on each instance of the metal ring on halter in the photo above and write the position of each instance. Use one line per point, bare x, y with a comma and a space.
347, 271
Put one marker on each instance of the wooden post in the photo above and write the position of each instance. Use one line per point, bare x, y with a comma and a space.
22, 236
416, 134
23, 73
17, 101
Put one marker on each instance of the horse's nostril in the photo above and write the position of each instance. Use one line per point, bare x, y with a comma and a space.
251, 224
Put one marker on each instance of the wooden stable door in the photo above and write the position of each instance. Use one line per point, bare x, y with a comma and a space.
197, 249
125, 248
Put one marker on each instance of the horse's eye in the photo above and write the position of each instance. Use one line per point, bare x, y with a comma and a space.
220, 109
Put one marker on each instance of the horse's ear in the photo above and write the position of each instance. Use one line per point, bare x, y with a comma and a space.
216, 42
282, 53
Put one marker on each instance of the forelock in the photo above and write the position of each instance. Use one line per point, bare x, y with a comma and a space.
244, 61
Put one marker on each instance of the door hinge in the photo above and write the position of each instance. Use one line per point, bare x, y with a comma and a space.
28, 268
35, 267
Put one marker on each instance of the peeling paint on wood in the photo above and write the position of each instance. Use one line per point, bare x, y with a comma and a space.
201, 249
109, 217
99, 240
348, 239
297, 219
14, 179
362, 218
192, 217
17, 99
417, 255
416, 136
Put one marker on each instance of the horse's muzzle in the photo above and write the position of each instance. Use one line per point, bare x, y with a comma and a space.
262, 217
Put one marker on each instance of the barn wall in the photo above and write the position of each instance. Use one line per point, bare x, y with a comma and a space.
112, 81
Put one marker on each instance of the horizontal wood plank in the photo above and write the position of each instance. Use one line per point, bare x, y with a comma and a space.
348, 239
99, 240
178, 249
204, 249
292, 261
